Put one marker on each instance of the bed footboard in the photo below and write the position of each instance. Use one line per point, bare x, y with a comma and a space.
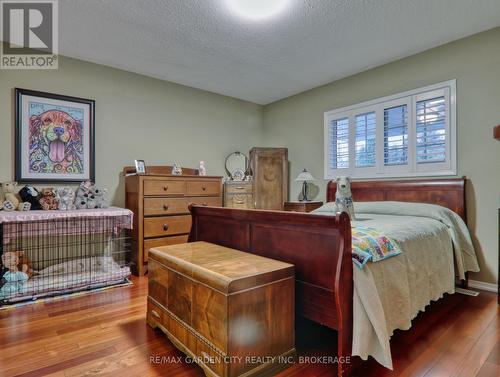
318, 246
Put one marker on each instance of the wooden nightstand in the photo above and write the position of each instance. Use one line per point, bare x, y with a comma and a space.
302, 206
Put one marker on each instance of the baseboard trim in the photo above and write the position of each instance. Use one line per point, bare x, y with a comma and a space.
489, 287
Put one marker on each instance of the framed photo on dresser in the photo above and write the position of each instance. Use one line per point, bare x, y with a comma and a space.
54, 137
140, 167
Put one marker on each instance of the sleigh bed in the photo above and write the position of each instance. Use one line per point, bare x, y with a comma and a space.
319, 246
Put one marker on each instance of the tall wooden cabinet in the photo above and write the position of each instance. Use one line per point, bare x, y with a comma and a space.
270, 177
160, 203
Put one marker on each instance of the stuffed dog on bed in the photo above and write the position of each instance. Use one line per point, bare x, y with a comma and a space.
343, 197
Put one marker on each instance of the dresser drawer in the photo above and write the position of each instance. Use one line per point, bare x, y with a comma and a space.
164, 241
172, 206
203, 188
165, 226
241, 201
239, 188
164, 187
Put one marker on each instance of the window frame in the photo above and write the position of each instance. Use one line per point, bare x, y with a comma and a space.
412, 169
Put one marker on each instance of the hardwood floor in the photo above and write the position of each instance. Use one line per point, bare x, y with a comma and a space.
106, 334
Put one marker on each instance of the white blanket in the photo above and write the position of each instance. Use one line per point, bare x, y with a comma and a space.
388, 294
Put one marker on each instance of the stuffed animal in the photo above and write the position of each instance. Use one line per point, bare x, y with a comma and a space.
24, 264
82, 195
343, 197
30, 195
12, 200
99, 199
13, 280
66, 198
48, 199
90, 196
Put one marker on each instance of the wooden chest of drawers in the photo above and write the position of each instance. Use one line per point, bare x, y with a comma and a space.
238, 195
160, 204
232, 312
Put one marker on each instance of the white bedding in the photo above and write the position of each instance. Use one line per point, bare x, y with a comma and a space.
388, 294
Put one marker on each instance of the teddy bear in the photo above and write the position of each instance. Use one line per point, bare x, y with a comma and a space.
90, 196
98, 197
82, 195
48, 199
12, 200
66, 198
30, 195
13, 279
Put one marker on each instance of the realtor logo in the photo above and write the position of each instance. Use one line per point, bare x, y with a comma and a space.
29, 34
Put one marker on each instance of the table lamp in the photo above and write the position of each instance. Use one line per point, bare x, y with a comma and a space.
304, 177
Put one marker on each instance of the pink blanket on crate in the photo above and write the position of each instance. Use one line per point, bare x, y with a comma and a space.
17, 216
28, 227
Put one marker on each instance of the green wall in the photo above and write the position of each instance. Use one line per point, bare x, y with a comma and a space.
297, 123
138, 117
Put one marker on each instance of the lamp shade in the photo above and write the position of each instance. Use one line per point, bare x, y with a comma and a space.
304, 176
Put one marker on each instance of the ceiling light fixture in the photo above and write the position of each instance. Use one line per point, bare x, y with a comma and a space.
257, 10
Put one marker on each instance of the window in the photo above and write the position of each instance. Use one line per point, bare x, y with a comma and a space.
339, 149
396, 136
408, 134
431, 130
365, 140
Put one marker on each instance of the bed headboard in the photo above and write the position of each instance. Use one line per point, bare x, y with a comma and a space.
448, 192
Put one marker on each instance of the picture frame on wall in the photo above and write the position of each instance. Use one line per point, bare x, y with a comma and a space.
54, 137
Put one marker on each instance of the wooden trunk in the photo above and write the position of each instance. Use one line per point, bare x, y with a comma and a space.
160, 204
270, 177
232, 312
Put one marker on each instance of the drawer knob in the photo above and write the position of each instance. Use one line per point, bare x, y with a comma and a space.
165, 207
165, 227
165, 188
239, 188
203, 188
155, 314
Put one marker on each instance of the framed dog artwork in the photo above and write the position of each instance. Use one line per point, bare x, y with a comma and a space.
54, 137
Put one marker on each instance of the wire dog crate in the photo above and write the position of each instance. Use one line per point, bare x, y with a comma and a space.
52, 254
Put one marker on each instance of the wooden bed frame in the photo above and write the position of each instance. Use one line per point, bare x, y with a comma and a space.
318, 246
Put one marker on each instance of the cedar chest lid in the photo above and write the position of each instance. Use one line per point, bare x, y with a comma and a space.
221, 268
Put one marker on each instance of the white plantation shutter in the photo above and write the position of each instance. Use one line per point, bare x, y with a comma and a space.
396, 135
365, 140
431, 130
404, 135
339, 143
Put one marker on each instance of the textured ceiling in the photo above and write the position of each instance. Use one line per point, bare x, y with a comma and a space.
200, 43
